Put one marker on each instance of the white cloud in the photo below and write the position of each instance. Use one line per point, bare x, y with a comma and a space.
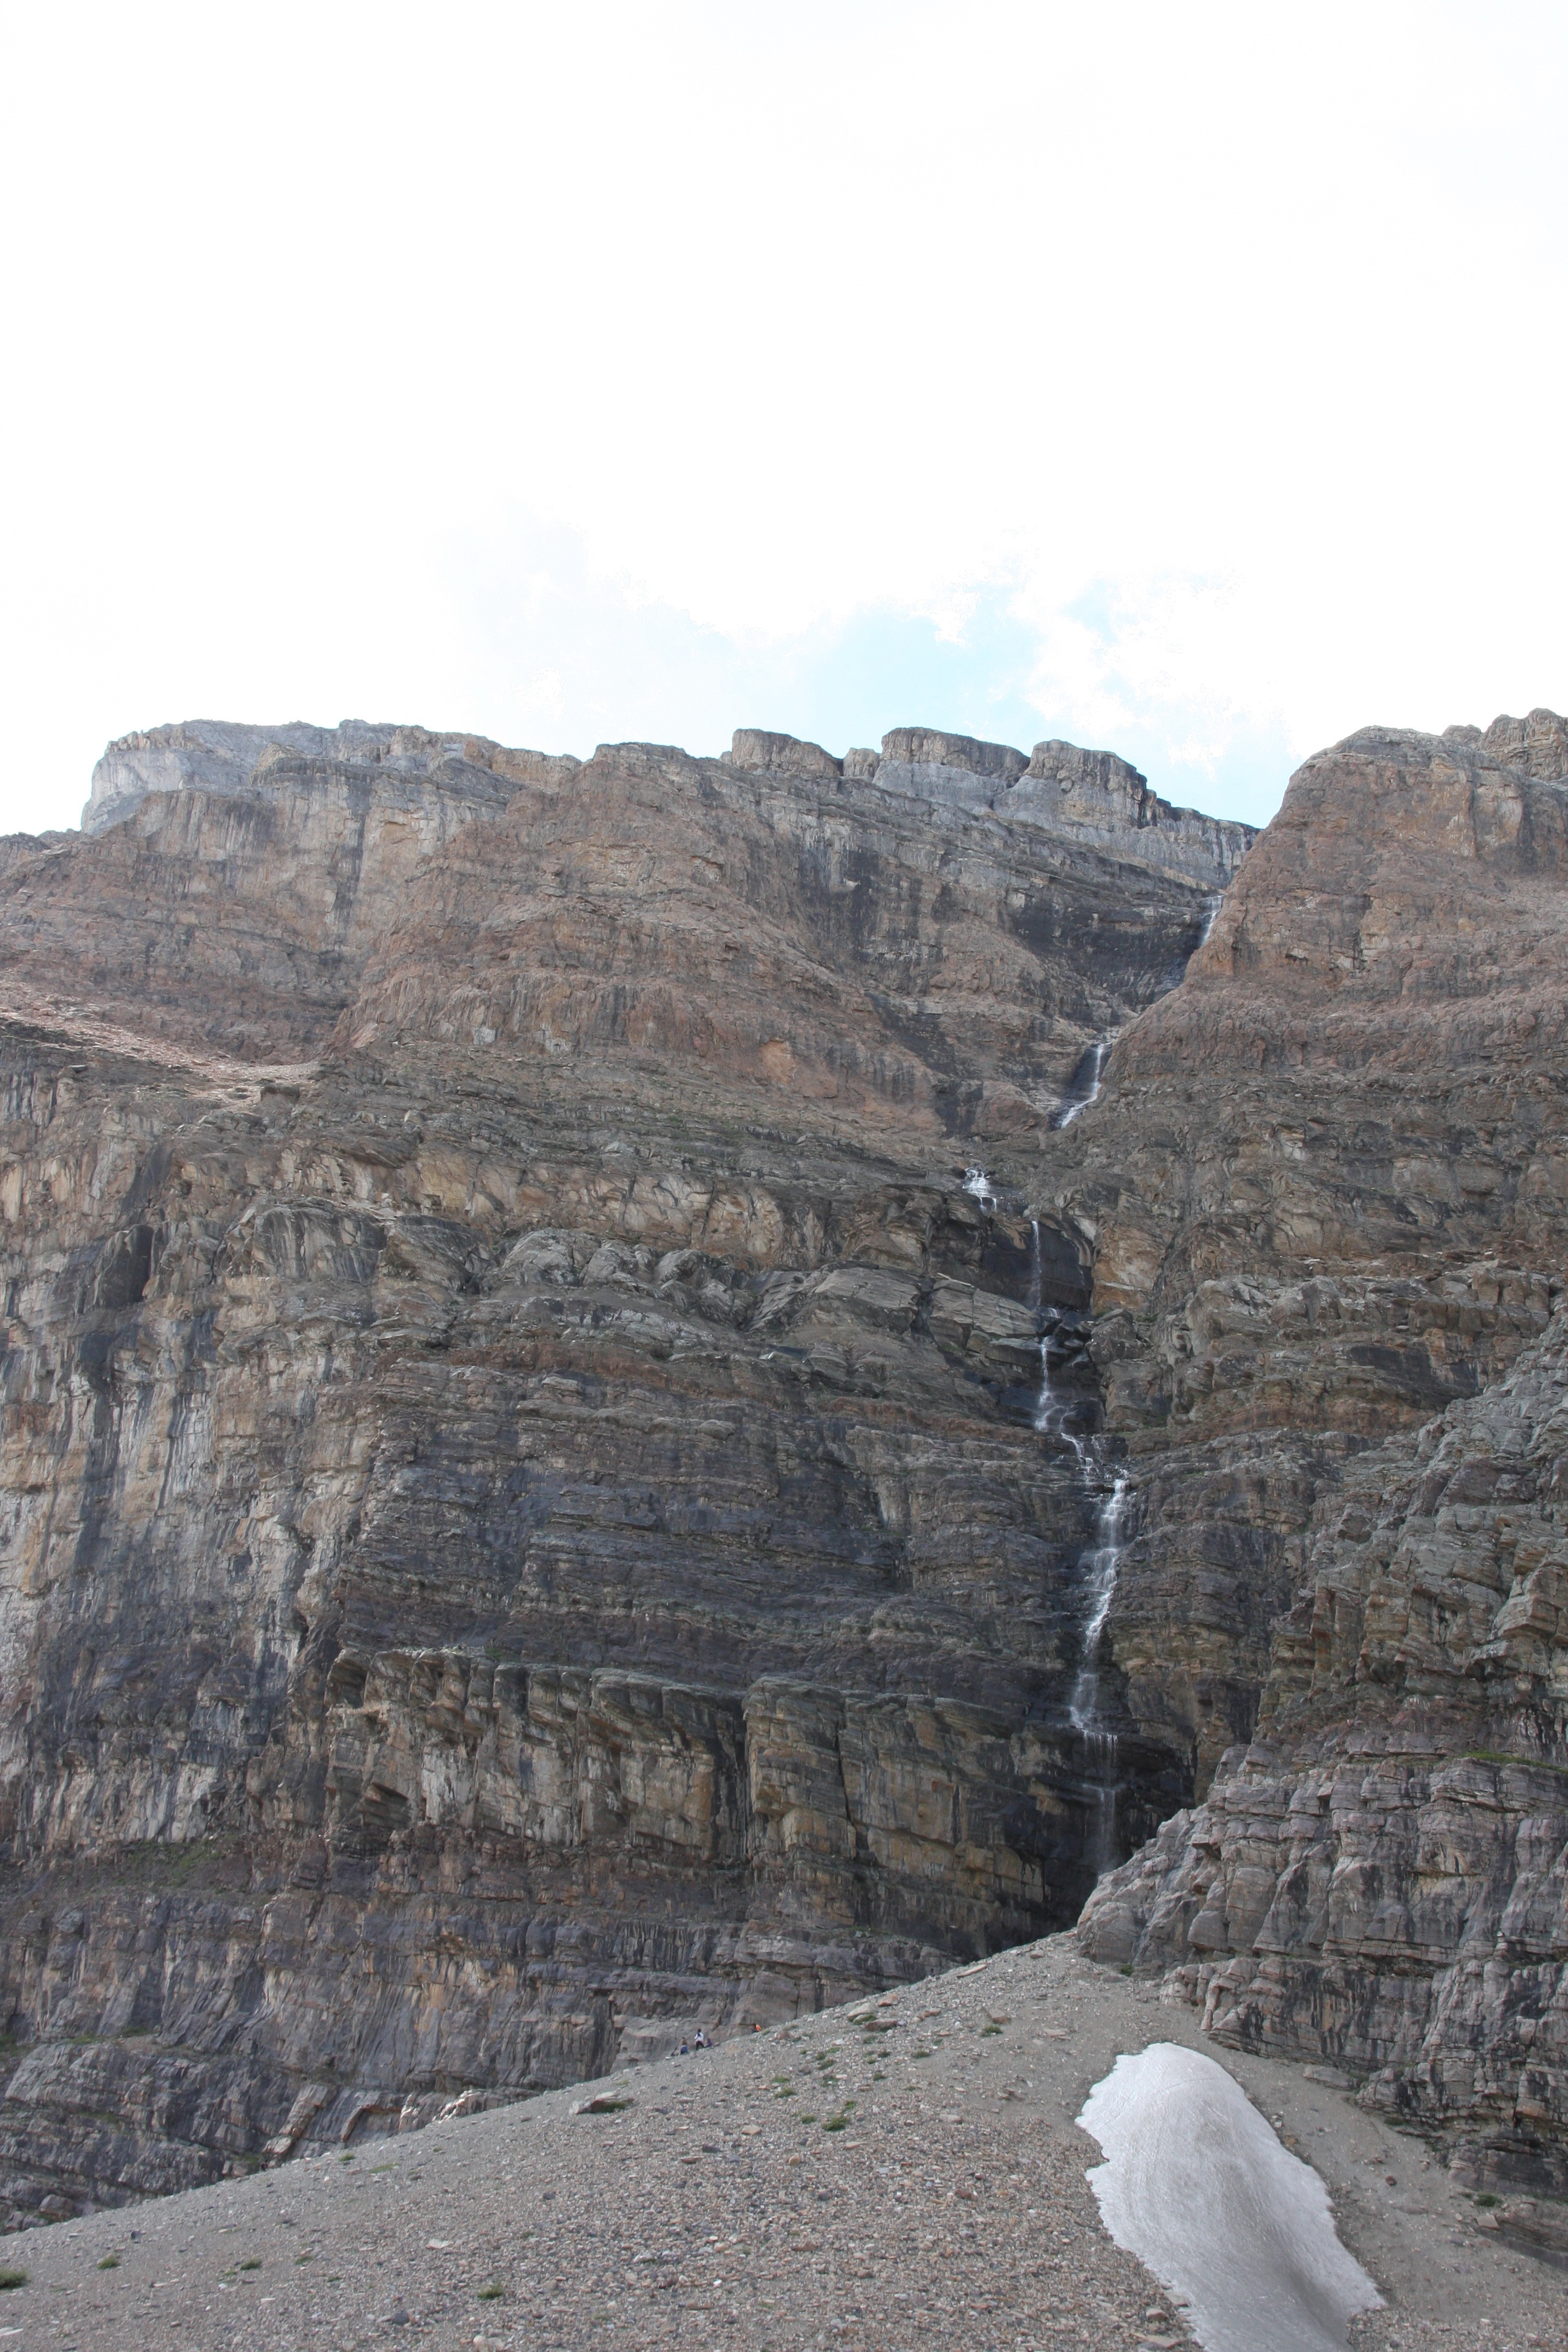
1193, 374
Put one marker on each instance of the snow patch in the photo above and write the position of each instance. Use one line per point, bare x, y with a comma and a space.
1197, 2186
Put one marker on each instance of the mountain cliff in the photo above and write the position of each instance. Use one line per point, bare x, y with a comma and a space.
1329, 1184
662, 1387
524, 1515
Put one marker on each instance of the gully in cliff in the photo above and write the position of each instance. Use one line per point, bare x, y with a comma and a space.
1083, 1087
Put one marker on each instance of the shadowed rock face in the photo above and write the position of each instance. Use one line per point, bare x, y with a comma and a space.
1328, 1182
523, 1520
530, 1507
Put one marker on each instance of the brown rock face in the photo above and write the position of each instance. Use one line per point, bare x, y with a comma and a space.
524, 1520
1328, 1183
547, 1491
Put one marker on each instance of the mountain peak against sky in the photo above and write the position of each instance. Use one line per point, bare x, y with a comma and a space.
1091, 796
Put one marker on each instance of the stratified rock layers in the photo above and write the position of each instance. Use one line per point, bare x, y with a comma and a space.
524, 1520
1328, 1186
539, 1502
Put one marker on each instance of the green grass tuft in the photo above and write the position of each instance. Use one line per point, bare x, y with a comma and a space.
9, 2278
491, 2294
110, 2262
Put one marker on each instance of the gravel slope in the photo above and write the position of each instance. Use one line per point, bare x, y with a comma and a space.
722, 2207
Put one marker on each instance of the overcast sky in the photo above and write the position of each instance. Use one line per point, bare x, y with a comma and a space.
1189, 381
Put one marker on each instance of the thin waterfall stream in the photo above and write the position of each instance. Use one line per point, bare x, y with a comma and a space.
978, 1185
1099, 1566
1102, 1565
1051, 1411
1084, 1086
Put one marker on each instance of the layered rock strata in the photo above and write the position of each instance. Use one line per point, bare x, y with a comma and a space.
573, 1398
523, 1516
1327, 1183
1089, 797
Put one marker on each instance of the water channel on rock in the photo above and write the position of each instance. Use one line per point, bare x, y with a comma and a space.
1084, 1084
978, 1185
1099, 1565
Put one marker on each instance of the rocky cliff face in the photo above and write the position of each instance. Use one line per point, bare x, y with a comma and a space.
1328, 1186
663, 1387
531, 1512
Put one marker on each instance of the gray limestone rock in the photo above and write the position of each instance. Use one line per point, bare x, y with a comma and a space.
249, 763
1090, 795
782, 755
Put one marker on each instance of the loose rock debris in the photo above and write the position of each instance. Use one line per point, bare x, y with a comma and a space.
924, 2186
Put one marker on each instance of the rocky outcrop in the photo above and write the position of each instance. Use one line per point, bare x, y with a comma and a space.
1327, 1183
1380, 1877
1087, 796
404, 767
669, 1388
229, 881
523, 1517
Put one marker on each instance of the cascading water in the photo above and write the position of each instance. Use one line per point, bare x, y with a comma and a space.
978, 1185
1051, 1412
1101, 1564
1217, 901
1085, 1083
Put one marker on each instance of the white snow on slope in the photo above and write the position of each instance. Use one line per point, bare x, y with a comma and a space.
1196, 2185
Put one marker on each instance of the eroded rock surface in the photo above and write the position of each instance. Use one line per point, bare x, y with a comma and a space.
1328, 1183
523, 1504
583, 1341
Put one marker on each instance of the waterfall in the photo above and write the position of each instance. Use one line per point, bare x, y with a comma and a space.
1102, 1565
1216, 901
1084, 1084
1051, 1412
978, 1184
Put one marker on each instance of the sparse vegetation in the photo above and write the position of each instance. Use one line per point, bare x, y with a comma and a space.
1500, 1756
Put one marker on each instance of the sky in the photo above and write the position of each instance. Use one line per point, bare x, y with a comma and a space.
1187, 382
